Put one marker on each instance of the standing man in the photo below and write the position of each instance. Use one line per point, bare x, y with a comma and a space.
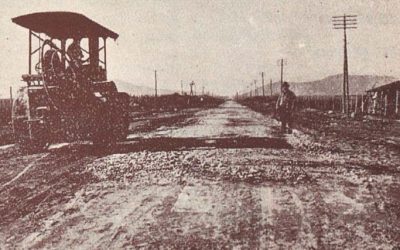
285, 107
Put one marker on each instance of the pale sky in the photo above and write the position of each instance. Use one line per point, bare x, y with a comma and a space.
222, 45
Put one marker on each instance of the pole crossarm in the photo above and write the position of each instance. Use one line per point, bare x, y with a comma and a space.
342, 28
344, 22
342, 19
345, 25
344, 16
350, 23
281, 62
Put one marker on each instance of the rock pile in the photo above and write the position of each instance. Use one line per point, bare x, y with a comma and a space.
235, 165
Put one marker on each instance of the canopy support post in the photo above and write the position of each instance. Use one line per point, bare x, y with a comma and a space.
94, 52
30, 53
105, 53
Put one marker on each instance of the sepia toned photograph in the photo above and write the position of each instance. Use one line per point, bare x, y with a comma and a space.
200, 124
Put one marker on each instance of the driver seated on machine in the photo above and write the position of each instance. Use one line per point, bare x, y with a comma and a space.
74, 52
76, 66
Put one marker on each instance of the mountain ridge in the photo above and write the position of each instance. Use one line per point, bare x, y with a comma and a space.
139, 90
332, 85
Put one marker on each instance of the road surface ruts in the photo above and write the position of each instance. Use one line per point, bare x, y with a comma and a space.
214, 194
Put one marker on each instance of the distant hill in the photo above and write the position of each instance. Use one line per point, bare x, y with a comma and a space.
332, 85
138, 90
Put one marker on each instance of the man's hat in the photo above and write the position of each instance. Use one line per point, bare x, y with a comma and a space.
285, 84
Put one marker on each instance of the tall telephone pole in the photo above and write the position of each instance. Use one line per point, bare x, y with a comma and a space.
262, 80
344, 23
281, 63
155, 83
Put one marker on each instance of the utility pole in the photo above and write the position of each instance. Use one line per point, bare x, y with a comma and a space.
282, 62
270, 85
155, 83
281, 72
344, 23
251, 89
11, 102
181, 87
191, 88
11, 95
202, 91
255, 88
262, 79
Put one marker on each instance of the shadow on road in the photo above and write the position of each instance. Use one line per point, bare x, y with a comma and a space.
170, 144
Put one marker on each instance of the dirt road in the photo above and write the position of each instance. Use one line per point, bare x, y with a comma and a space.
227, 179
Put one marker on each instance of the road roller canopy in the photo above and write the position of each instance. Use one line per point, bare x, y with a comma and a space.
63, 25
61, 28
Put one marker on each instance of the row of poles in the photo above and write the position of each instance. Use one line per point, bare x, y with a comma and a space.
344, 23
281, 63
192, 86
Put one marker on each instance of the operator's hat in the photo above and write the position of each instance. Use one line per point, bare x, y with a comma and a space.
285, 84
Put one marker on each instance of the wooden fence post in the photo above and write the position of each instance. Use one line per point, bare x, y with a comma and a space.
386, 103
356, 106
362, 104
